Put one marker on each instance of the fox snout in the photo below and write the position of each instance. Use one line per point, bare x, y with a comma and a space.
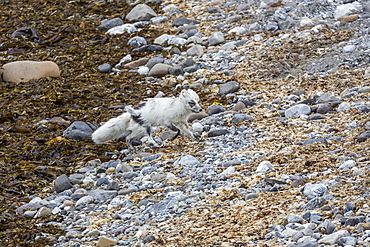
196, 108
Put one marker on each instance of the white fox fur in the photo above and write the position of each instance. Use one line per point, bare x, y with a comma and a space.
122, 126
138, 122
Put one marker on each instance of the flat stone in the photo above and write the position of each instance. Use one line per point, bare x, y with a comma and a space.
159, 70
106, 242
136, 63
27, 70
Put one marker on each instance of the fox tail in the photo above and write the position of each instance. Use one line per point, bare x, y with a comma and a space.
113, 129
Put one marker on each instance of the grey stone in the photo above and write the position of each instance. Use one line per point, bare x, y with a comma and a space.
154, 60
180, 21
330, 228
159, 19
102, 181
78, 130
62, 183
323, 108
316, 116
343, 106
314, 203
103, 195
233, 18
293, 218
354, 220
114, 185
251, 196
195, 50
347, 241
140, 12
229, 87
216, 38
186, 160
240, 117
334, 237
347, 165
214, 109
314, 190
105, 68
108, 24
137, 41
315, 140
363, 136
297, 111
347, 9
176, 70
159, 70
218, 132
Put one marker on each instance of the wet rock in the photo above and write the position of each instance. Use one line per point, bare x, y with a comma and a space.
78, 130
354, 220
27, 70
314, 203
315, 140
140, 12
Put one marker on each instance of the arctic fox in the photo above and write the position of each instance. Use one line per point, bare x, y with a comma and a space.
169, 112
138, 122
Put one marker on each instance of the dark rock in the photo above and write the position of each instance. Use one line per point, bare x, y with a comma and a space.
180, 21
314, 203
78, 130
154, 60
249, 103
214, 109
354, 220
364, 136
229, 87
316, 116
102, 181
113, 186
218, 132
176, 70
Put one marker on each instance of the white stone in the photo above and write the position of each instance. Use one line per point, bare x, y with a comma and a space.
344, 106
126, 28
347, 9
348, 164
349, 48
334, 237
264, 167
297, 111
163, 39
305, 22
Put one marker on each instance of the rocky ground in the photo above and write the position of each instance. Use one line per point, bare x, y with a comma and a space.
284, 154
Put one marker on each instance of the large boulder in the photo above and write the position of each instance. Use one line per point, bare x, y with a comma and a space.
26, 70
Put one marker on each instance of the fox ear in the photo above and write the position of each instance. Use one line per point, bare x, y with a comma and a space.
186, 87
184, 93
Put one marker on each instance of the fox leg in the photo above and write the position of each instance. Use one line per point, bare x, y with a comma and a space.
174, 128
185, 129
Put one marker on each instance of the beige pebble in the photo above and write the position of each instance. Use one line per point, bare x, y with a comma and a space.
106, 242
110, 170
68, 203
26, 70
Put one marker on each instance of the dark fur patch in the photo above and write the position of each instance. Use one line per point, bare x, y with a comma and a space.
174, 128
140, 105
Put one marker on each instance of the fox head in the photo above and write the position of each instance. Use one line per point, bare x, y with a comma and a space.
191, 100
